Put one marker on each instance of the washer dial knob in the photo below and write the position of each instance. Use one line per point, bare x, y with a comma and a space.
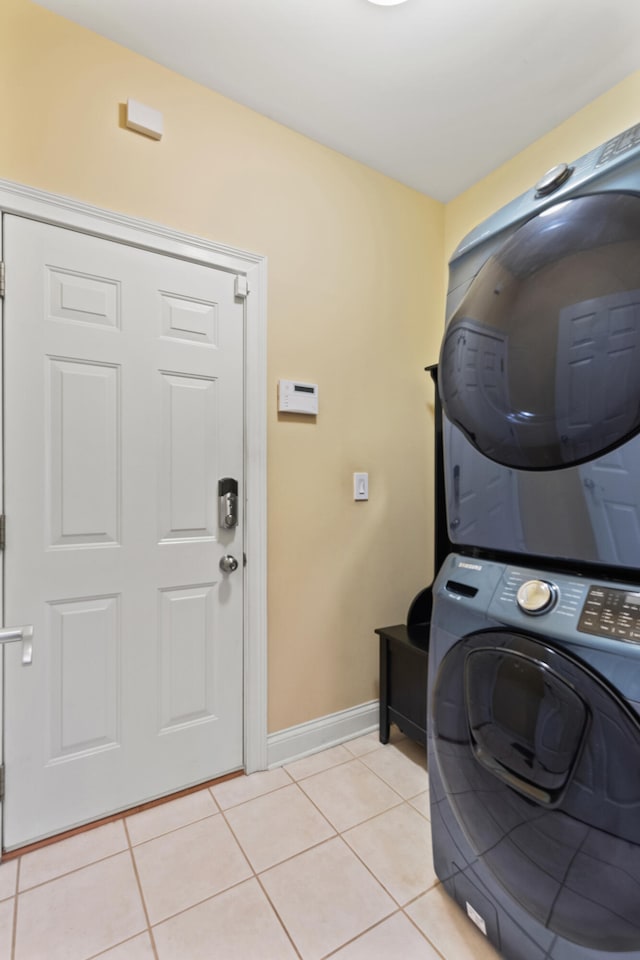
536, 596
553, 179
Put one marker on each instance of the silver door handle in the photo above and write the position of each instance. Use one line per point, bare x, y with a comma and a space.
228, 564
9, 634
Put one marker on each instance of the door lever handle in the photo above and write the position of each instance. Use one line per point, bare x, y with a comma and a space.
9, 634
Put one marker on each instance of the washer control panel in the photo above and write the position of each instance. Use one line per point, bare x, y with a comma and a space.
561, 597
611, 613
590, 616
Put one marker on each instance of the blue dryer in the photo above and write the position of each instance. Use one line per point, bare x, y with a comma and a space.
534, 662
534, 758
538, 370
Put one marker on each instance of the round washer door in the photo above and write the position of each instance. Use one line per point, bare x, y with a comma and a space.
538, 365
540, 762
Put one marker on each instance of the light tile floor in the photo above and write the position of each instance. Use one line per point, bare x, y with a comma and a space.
329, 856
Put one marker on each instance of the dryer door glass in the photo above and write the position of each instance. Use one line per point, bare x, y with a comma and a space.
538, 366
569, 855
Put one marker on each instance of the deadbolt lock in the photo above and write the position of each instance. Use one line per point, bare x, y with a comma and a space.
227, 503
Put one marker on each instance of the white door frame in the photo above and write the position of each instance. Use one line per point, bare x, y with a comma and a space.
65, 212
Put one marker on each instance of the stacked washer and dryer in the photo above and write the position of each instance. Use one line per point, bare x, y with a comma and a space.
534, 661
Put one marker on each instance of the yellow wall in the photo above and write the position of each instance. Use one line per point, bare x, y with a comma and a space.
600, 120
355, 304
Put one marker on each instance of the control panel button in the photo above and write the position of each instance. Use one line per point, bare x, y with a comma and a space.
536, 596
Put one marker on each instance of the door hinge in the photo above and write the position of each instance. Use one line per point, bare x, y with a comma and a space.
1, 782
2, 278
241, 287
3, 530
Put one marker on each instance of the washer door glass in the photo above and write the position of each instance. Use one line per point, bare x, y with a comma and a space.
538, 366
562, 836
527, 724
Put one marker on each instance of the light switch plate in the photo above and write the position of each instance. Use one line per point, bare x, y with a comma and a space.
361, 486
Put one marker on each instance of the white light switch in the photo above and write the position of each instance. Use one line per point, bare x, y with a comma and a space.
361, 486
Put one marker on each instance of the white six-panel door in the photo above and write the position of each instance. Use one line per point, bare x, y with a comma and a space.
123, 408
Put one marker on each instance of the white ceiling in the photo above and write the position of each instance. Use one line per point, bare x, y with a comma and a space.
435, 93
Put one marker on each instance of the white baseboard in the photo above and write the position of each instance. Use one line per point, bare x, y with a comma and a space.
307, 738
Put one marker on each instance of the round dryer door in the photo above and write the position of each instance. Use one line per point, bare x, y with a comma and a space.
538, 366
540, 763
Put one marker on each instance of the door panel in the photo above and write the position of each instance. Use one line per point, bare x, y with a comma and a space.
188, 464
187, 621
123, 406
81, 435
84, 639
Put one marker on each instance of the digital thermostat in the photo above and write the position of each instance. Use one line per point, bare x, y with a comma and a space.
297, 397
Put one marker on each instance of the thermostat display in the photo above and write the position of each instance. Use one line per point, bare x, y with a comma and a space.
297, 397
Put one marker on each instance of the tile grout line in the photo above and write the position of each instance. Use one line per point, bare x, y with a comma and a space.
415, 899
198, 903
339, 833
242, 803
377, 879
115, 817
317, 843
14, 935
240, 847
279, 863
376, 740
299, 782
347, 943
359, 822
115, 853
339, 763
169, 830
116, 946
141, 892
258, 875
412, 921
332, 766
212, 795
398, 908
279, 918
382, 780
254, 874
231, 886
165, 833
413, 796
206, 899
68, 873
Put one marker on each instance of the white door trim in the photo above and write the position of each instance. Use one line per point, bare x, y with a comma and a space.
66, 212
